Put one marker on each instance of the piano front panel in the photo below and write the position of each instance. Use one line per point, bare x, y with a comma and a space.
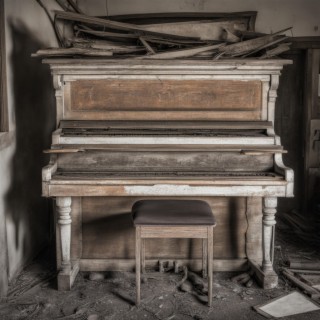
164, 99
193, 162
108, 231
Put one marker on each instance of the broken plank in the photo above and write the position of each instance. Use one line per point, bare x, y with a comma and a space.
205, 30
181, 53
63, 5
269, 44
305, 265
175, 41
303, 271
152, 18
72, 16
147, 46
240, 48
71, 52
313, 293
105, 34
74, 6
63, 150
229, 36
115, 47
283, 47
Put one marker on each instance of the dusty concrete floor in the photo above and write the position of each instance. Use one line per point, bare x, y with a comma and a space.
33, 295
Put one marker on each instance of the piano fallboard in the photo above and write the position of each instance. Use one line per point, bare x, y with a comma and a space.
204, 158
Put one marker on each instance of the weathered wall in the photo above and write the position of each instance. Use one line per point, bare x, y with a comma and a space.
273, 15
31, 117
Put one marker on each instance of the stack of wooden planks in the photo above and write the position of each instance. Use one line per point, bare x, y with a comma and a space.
216, 38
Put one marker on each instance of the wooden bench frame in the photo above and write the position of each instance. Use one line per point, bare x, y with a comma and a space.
204, 232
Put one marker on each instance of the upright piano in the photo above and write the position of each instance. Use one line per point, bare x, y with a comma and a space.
131, 129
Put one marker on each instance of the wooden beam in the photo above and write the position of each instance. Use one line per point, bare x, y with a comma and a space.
71, 16
4, 121
181, 53
72, 52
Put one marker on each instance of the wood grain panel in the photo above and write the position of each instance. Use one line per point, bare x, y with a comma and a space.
99, 161
167, 95
108, 231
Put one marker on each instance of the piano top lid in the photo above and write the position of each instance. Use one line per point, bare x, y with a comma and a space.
60, 65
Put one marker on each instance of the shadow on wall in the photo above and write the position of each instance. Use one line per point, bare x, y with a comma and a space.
35, 119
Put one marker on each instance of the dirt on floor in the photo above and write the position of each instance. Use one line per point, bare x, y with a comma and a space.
111, 295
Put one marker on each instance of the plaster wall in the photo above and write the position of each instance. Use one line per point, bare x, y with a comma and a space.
24, 214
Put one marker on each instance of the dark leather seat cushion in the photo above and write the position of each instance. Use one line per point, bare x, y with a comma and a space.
172, 212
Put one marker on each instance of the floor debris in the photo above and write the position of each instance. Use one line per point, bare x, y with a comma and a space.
287, 305
112, 297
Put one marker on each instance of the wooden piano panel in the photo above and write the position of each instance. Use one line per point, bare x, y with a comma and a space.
124, 99
108, 231
104, 161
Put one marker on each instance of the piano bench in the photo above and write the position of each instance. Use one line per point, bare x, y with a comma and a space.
173, 219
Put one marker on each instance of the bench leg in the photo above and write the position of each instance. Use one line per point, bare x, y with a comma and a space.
204, 258
138, 264
143, 255
210, 255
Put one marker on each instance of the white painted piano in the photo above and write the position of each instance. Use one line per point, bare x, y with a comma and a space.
132, 129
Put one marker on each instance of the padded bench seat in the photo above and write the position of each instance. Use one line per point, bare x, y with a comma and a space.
167, 218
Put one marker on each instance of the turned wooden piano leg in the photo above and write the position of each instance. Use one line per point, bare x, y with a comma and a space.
68, 272
138, 265
265, 274
269, 211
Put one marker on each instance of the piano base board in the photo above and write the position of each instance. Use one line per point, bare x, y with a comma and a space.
65, 280
100, 265
265, 280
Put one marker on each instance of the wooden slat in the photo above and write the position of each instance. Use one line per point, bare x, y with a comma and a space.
173, 232
208, 30
167, 17
163, 148
97, 161
113, 24
72, 52
183, 53
166, 124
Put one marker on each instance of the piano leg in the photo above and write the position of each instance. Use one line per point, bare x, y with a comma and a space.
266, 275
68, 273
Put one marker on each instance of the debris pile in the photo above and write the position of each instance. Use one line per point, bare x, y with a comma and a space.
225, 37
304, 275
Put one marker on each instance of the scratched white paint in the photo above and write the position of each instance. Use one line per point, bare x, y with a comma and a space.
186, 190
166, 140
